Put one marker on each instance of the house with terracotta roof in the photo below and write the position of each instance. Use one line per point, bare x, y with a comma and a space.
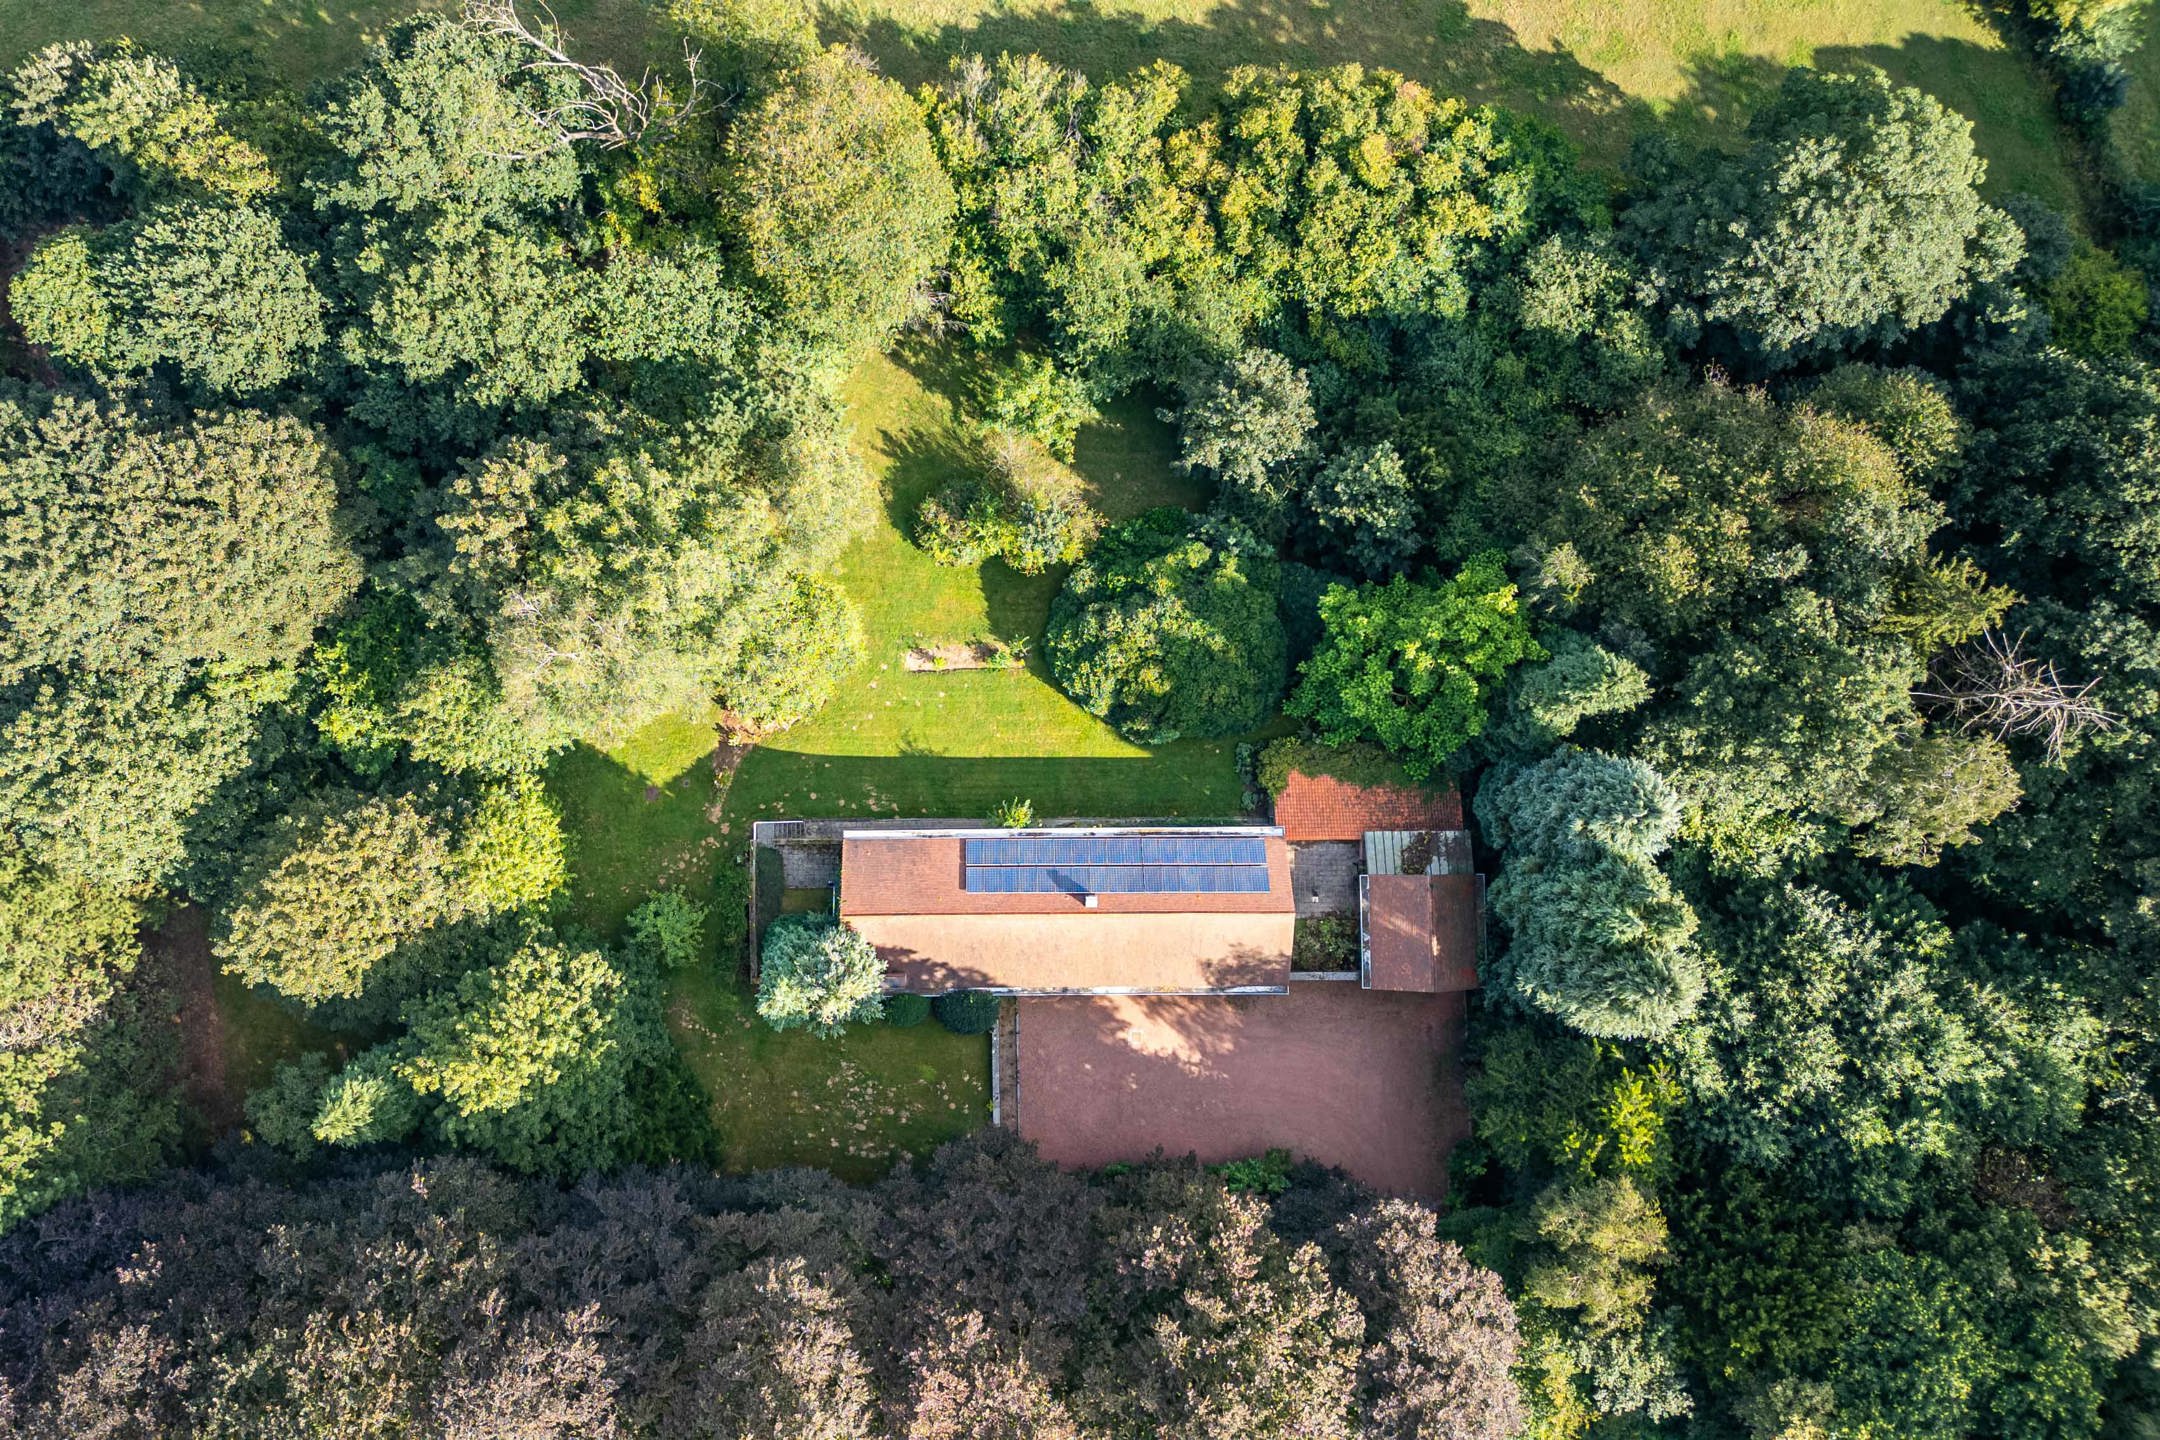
1171, 909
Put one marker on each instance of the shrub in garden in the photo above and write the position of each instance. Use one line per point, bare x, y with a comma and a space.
1023, 508
967, 1012
669, 929
904, 1011
817, 975
1014, 814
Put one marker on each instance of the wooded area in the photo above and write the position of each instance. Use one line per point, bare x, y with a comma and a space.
1760, 534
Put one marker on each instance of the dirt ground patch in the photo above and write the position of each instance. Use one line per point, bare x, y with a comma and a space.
1344, 1076
177, 954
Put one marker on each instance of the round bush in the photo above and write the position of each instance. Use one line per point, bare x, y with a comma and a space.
901, 1011
966, 1012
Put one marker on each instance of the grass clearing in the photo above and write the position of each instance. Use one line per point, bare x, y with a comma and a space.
955, 743
261, 1034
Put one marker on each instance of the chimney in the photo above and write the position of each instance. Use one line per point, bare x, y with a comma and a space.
1089, 901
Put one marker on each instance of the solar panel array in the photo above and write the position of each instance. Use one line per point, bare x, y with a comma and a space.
1118, 865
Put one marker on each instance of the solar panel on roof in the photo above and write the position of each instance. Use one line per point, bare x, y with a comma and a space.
1119, 850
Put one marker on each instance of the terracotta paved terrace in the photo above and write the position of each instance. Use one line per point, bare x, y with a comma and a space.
1344, 1076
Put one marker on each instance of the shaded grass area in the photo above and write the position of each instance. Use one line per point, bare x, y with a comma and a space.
954, 743
852, 1105
262, 1033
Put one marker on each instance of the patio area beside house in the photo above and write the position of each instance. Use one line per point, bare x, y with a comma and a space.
1365, 1080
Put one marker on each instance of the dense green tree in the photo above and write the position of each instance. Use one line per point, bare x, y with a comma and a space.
158, 579
838, 200
445, 121
213, 291
1249, 423
1546, 702
1204, 1323
1144, 242
2062, 473
1708, 503
1413, 665
83, 1101
1843, 1037
2098, 304
1364, 512
1169, 628
615, 585
1597, 936
1852, 217
1578, 326
818, 975
214, 540
529, 1058
160, 133
1909, 410
334, 889
394, 686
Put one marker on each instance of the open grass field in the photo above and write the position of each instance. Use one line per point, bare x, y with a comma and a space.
1603, 70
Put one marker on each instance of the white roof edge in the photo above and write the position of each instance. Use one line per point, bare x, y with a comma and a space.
1068, 831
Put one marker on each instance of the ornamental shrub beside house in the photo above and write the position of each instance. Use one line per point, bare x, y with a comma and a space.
967, 1012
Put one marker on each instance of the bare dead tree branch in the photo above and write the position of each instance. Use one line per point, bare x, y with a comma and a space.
1993, 686
607, 110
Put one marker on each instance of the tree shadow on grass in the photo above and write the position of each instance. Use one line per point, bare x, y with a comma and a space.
1436, 41
628, 837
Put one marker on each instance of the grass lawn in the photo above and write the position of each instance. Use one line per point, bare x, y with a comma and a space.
649, 814
954, 743
261, 1034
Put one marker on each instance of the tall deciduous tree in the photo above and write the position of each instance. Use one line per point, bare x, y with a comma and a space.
1852, 216
158, 579
213, 291
1415, 665
838, 200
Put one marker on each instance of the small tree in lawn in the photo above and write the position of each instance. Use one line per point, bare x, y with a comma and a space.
1415, 666
818, 975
